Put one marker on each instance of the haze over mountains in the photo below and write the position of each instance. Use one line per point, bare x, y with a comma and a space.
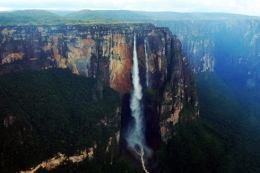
223, 52
25, 17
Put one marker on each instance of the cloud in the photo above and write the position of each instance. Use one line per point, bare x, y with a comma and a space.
250, 7
5, 9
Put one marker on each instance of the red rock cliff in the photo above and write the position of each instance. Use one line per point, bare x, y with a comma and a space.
108, 50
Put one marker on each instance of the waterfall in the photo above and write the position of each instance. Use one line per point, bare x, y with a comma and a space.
146, 49
136, 137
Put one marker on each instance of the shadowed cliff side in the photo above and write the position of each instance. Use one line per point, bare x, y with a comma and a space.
105, 53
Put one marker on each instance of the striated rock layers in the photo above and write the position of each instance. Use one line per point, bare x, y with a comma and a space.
105, 52
214, 45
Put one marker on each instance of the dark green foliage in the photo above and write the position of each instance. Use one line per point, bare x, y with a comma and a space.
224, 139
227, 117
54, 112
193, 149
151, 92
188, 111
101, 164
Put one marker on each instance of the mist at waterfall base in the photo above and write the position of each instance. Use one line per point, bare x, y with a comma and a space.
134, 134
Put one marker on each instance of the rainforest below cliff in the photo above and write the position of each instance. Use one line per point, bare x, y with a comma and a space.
48, 113
53, 111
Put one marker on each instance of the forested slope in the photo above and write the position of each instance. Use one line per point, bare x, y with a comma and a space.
46, 112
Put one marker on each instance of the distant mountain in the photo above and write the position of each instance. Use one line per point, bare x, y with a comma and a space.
60, 12
30, 17
142, 16
108, 16
55, 17
192, 16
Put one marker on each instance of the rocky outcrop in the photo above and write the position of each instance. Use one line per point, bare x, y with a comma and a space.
105, 52
214, 45
60, 158
179, 92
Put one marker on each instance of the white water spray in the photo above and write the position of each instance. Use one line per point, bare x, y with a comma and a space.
146, 49
135, 138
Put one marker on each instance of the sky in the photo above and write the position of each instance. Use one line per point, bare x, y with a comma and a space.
248, 7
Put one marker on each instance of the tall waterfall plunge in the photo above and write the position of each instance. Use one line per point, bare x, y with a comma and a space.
135, 137
146, 49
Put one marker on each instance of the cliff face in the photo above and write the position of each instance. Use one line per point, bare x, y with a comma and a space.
105, 52
213, 45
84, 50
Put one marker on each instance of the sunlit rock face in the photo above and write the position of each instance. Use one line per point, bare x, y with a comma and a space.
105, 52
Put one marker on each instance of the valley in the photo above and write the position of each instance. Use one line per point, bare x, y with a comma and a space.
67, 85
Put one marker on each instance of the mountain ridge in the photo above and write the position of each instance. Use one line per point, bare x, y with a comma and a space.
52, 17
